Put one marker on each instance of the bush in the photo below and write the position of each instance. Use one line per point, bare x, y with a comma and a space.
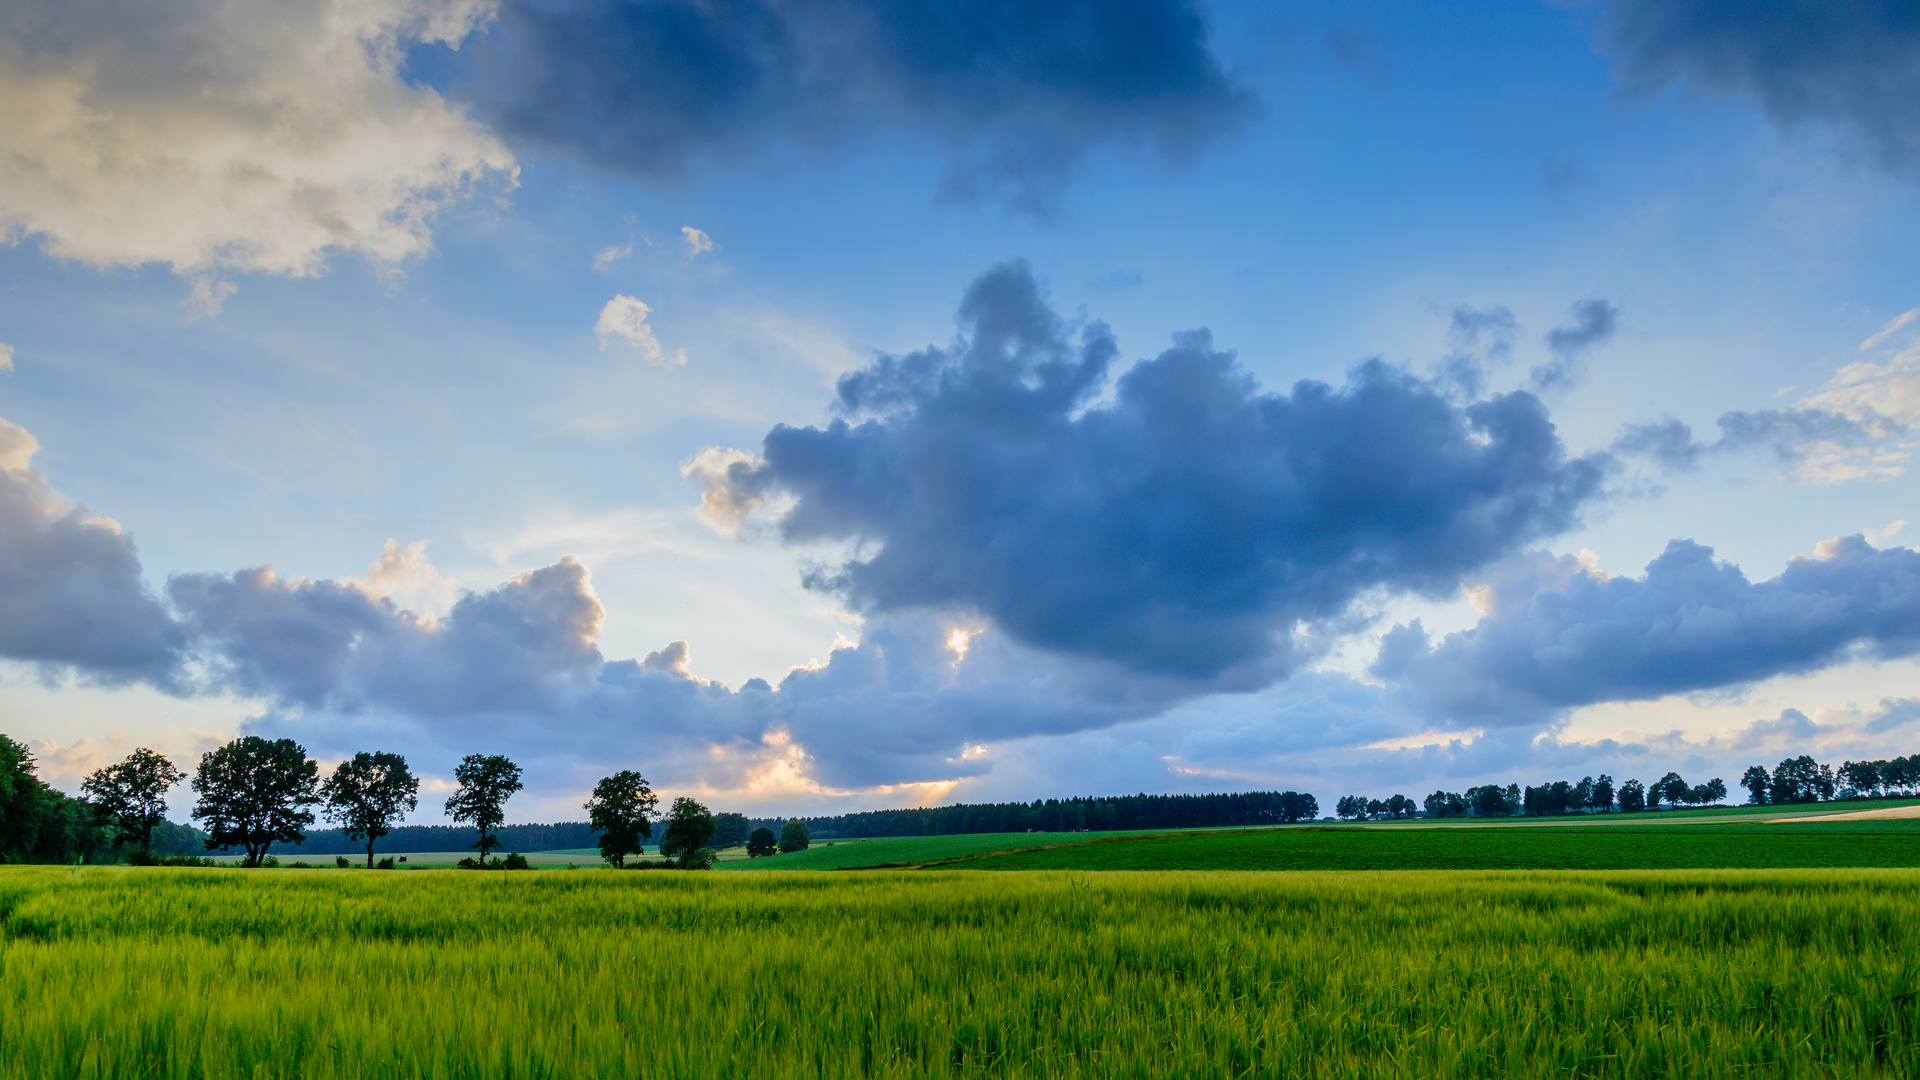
514, 861
384, 864
270, 863
342, 861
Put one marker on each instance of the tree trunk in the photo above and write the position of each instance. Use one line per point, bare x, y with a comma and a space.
369, 852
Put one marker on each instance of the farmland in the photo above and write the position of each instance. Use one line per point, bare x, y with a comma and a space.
1751, 846
225, 973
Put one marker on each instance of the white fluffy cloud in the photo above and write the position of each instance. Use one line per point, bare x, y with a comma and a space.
625, 318
214, 136
697, 241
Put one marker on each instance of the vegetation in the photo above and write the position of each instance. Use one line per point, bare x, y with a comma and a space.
762, 843
1107, 814
689, 826
336, 975
39, 824
254, 791
1733, 845
486, 783
133, 795
621, 811
367, 794
795, 836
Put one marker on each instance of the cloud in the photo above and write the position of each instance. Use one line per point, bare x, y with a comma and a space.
697, 241
1854, 66
626, 318
1195, 527
6, 359
211, 138
730, 493
328, 645
1689, 624
71, 591
1594, 322
1016, 95
1854, 428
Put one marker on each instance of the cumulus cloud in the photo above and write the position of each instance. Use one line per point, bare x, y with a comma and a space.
1594, 322
71, 591
212, 137
1194, 527
1852, 65
625, 318
1689, 624
1016, 94
1856, 427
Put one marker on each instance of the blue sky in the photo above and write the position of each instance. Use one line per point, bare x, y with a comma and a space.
281, 290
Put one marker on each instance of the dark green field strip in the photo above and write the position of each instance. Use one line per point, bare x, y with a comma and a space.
1627, 848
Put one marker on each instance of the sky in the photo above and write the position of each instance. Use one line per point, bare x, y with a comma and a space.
835, 406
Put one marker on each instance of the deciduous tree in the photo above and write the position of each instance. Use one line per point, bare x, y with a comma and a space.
133, 793
621, 811
486, 782
1759, 785
689, 826
762, 843
1633, 797
368, 795
794, 836
254, 791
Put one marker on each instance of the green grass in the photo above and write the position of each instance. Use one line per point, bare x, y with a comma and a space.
109, 973
1746, 845
890, 851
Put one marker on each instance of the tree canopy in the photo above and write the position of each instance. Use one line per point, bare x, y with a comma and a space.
368, 794
794, 836
254, 791
486, 782
762, 843
133, 794
621, 811
689, 826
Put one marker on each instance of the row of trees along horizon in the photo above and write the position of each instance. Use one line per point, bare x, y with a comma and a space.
254, 793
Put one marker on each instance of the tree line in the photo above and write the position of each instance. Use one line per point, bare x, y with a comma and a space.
1104, 814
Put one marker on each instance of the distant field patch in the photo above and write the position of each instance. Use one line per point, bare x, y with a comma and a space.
1756, 846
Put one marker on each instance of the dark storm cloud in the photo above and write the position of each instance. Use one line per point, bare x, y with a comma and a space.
71, 591
1017, 92
1690, 624
1853, 63
1186, 528
1594, 322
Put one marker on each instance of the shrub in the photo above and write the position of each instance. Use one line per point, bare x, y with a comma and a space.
341, 861
384, 864
514, 861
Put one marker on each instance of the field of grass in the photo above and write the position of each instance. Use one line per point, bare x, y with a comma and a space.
218, 973
894, 851
1746, 845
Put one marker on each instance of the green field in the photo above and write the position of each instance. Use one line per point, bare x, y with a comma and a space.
898, 851
220, 973
1734, 845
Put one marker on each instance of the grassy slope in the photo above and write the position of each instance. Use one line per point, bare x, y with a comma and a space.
1857, 844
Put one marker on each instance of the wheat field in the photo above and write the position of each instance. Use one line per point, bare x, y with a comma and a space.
229, 973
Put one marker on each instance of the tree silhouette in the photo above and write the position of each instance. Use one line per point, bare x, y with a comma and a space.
254, 791
367, 795
621, 811
486, 783
134, 794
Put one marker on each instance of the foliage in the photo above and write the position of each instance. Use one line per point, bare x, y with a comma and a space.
1633, 797
794, 836
367, 795
762, 843
486, 783
1102, 814
1759, 785
689, 826
254, 791
1492, 800
133, 794
1611, 976
621, 812
384, 864
1350, 807
729, 830
1801, 780
1866, 779
1445, 804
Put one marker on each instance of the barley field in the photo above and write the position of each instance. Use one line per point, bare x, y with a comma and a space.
228, 973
